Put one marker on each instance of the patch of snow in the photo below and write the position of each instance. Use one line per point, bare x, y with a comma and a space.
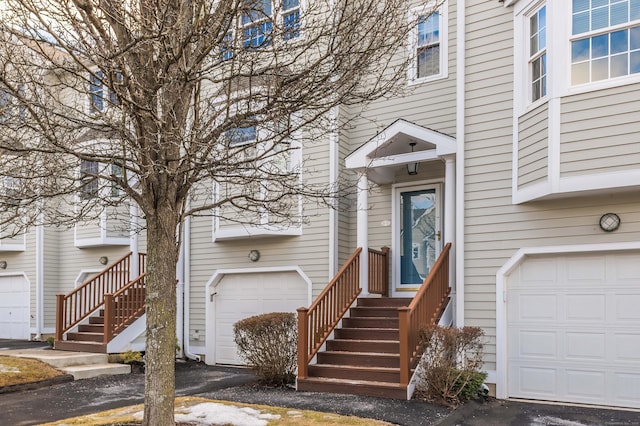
211, 413
5, 369
554, 421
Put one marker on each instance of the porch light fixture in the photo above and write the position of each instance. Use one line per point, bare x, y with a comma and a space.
609, 222
412, 168
254, 255
3, 264
103, 260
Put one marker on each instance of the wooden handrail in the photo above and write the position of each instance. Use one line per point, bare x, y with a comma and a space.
123, 307
316, 323
379, 271
423, 310
89, 296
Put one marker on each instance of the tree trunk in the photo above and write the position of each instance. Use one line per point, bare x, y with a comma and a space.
162, 257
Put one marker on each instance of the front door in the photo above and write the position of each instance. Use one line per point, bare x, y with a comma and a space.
417, 238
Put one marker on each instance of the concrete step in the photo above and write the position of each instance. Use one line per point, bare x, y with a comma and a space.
94, 370
63, 359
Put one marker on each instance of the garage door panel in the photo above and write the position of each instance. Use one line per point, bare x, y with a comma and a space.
582, 385
626, 347
627, 307
533, 380
596, 329
585, 307
585, 271
534, 344
582, 346
626, 387
533, 307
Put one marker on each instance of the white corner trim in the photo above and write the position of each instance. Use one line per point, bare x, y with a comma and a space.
209, 290
460, 163
501, 294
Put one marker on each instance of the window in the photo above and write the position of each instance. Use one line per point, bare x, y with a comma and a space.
291, 19
428, 50
257, 24
116, 172
605, 39
88, 179
12, 190
242, 136
429, 46
538, 53
98, 92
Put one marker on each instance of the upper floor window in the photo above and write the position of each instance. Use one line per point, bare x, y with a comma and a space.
605, 39
429, 46
99, 94
242, 136
88, 179
538, 53
257, 23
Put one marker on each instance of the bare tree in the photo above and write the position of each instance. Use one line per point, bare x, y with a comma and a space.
154, 98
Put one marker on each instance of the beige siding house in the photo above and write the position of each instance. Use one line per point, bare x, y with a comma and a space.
517, 140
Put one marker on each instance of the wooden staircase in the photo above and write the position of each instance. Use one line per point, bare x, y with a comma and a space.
89, 317
375, 350
363, 358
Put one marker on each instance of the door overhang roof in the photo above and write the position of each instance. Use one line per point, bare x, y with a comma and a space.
391, 147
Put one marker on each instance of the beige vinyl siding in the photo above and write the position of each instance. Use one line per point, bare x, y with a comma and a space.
599, 131
88, 230
118, 219
488, 153
495, 229
533, 146
53, 254
430, 104
310, 251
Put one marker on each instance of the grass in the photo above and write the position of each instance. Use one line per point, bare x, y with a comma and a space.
14, 371
288, 416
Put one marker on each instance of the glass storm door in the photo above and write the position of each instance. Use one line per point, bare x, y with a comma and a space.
419, 236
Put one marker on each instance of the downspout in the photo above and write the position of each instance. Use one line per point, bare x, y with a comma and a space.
180, 300
333, 184
39, 278
186, 241
460, 137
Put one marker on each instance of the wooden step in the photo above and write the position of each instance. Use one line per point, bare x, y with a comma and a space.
353, 387
384, 301
373, 311
96, 320
350, 372
66, 345
359, 359
354, 345
85, 337
370, 322
367, 333
91, 328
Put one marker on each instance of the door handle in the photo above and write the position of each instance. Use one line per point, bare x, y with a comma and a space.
438, 235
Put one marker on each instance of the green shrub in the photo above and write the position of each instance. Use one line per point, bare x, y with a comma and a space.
450, 365
268, 344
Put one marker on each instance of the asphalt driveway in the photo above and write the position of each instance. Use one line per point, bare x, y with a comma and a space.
237, 384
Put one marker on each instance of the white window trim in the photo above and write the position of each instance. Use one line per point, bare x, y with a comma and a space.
104, 192
444, 44
264, 228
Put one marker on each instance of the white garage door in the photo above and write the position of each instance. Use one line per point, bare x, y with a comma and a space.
574, 329
14, 307
239, 296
